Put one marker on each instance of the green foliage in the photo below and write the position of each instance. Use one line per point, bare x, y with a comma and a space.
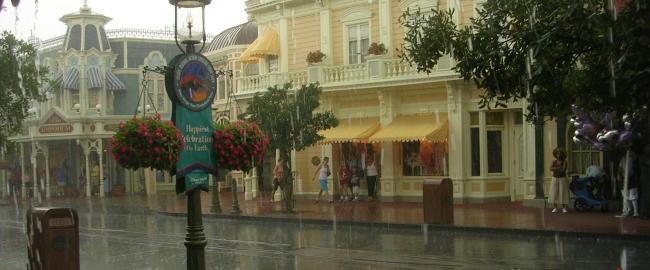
21, 79
552, 52
288, 118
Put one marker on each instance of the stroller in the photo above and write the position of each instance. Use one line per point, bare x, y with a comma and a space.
585, 199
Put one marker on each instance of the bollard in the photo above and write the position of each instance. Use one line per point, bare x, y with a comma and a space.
438, 201
53, 238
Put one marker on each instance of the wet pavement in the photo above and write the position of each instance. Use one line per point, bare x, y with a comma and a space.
147, 232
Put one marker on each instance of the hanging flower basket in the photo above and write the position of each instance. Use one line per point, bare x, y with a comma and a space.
4, 165
315, 57
147, 143
238, 145
377, 49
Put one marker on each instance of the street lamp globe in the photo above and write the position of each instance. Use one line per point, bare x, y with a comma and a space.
98, 107
77, 106
189, 21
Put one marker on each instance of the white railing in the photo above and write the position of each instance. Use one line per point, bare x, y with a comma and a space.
262, 82
396, 68
343, 74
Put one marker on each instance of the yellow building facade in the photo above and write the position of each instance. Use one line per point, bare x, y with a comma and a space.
417, 126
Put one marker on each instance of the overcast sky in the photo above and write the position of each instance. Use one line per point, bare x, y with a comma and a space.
140, 14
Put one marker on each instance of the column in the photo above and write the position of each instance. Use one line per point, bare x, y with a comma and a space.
278, 194
561, 131
88, 184
386, 25
48, 177
248, 195
388, 179
35, 179
22, 169
539, 159
256, 185
101, 170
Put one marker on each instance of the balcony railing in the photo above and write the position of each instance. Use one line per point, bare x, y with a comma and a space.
374, 70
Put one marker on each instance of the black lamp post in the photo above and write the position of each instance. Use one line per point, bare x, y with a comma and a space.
192, 14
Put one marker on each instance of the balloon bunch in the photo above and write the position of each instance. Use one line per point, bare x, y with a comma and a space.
604, 131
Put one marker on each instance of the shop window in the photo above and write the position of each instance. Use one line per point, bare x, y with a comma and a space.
494, 150
422, 158
358, 153
252, 70
475, 151
222, 89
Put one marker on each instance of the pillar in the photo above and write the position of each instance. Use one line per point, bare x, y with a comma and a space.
88, 184
539, 159
35, 179
48, 177
248, 195
278, 194
256, 184
101, 170
22, 169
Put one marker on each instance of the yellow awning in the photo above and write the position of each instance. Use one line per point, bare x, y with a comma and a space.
414, 127
351, 130
246, 56
269, 44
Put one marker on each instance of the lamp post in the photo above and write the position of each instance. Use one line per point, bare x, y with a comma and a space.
189, 34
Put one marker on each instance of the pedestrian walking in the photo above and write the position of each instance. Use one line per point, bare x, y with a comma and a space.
559, 193
278, 175
323, 171
644, 180
372, 176
630, 188
344, 181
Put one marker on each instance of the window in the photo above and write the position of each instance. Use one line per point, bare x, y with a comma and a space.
581, 156
222, 88
358, 43
423, 158
493, 125
74, 97
252, 70
93, 98
273, 63
156, 96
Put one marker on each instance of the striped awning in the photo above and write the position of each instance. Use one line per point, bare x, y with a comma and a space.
57, 78
351, 130
414, 127
269, 44
71, 80
113, 82
93, 78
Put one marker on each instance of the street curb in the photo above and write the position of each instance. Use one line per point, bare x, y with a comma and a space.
421, 227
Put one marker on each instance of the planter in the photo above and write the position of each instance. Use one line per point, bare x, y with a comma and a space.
118, 190
238, 146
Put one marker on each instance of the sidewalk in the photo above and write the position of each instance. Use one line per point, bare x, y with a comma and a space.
503, 216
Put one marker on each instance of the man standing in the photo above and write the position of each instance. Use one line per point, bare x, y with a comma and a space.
644, 179
631, 190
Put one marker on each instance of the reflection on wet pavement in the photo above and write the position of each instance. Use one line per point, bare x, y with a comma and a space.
130, 235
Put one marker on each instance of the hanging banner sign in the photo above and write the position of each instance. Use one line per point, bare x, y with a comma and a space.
195, 88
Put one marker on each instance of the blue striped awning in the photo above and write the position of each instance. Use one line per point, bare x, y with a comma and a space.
57, 78
93, 78
113, 82
71, 80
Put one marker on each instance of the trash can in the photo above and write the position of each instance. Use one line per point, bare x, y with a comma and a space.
438, 201
53, 238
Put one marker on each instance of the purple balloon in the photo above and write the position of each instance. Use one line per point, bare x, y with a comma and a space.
579, 113
598, 146
625, 139
597, 118
608, 136
608, 120
590, 129
579, 141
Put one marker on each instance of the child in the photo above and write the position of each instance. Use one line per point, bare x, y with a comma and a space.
355, 182
344, 180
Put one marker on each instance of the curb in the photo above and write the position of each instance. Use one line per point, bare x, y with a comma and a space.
423, 227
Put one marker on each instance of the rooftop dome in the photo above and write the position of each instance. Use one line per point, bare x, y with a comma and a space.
239, 35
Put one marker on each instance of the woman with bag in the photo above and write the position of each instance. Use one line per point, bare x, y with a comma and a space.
323, 171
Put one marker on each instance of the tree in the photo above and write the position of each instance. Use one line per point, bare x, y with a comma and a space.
287, 116
20, 83
554, 53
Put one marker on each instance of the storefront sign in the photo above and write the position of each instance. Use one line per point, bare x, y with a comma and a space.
111, 127
55, 129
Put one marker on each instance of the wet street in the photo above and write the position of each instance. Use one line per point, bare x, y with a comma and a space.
128, 237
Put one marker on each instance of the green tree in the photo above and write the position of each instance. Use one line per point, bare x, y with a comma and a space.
287, 116
20, 83
552, 52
